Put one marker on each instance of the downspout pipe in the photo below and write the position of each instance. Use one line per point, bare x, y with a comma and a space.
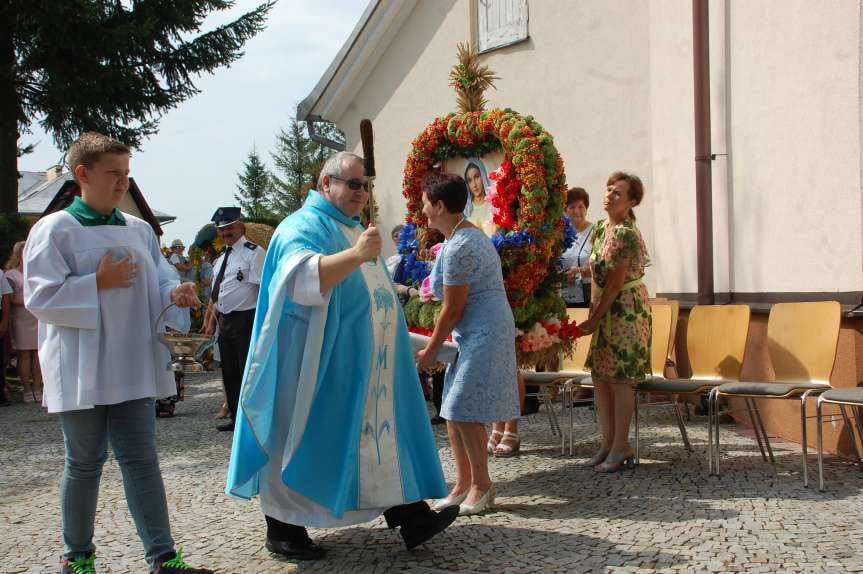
319, 139
703, 155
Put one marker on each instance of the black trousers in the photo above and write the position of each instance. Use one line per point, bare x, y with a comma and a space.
235, 334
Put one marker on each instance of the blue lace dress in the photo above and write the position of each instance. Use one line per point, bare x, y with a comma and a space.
481, 385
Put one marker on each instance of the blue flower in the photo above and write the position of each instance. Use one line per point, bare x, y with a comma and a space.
511, 239
407, 239
569, 235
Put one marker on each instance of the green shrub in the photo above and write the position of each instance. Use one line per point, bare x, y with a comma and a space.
13, 228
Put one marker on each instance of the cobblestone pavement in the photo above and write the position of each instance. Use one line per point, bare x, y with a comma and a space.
553, 515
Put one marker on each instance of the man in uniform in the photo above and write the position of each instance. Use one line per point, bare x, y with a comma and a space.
232, 302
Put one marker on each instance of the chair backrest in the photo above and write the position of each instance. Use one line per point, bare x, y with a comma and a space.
576, 363
802, 339
659, 340
675, 314
716, 340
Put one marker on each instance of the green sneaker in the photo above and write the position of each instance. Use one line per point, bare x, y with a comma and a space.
81, 566
173, 563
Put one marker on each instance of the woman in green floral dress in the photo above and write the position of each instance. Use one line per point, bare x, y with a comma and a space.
619, 319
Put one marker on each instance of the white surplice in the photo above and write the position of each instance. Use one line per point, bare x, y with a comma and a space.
98, 347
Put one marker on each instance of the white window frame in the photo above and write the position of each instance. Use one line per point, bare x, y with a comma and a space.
512, 32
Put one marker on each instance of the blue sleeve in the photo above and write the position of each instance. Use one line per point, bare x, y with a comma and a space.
461, 263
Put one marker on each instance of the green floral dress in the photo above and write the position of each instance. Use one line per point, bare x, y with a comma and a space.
620, 347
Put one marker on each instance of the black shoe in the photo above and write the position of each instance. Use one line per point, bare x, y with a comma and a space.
437, 420
228, 426
173, 563
419, 522
299, 549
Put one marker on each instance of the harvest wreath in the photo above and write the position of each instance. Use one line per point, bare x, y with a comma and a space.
526, 197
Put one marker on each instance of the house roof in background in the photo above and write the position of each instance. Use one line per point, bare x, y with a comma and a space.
38, 195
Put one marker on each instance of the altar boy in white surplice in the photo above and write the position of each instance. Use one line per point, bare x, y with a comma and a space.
97, 281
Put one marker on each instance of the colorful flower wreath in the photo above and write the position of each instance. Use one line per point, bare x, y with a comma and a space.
527, 198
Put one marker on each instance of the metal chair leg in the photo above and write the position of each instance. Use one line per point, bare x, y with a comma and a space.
804, 440
859, 424
849, 430
680, 424
563, 393
820, 445
764, 434
710, 433
757, 429
552, 416
713, 431
637, 429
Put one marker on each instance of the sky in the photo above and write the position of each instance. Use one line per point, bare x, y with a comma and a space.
189, 168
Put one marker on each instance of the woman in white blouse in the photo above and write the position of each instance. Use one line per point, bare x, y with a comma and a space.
575, 260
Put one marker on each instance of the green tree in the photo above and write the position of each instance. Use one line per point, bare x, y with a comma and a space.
111, 66
254, 188
297, 161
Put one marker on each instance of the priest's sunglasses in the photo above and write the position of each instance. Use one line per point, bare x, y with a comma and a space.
354, 184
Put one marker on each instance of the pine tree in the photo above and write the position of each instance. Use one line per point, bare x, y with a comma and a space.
104, 65
255, 187
297, 161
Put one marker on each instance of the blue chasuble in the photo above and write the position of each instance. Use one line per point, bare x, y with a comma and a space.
330, 393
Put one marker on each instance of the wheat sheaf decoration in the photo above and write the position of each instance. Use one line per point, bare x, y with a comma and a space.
470, 80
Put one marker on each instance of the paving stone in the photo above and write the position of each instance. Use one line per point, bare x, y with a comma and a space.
553, 514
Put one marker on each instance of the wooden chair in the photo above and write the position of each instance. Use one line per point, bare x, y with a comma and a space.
662, 339
801, 343
852, 397
570, 369
716, 343
672, 333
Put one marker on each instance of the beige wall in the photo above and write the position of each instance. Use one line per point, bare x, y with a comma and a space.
128, 205
612, 82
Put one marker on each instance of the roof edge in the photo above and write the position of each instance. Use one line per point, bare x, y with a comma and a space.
349, 69
305, 107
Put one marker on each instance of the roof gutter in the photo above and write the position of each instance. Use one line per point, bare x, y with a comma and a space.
318, 138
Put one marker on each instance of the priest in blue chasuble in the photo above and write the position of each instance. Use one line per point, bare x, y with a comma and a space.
332, 427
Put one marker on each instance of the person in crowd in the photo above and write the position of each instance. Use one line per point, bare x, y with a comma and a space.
232, 302
181, 263
575, 264
480, 386
576, 291
619, 319
205, 277
24, 329
393, 260
332, 428
96, 280
5, 305
478, 209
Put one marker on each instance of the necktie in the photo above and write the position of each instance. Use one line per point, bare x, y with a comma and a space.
217, 284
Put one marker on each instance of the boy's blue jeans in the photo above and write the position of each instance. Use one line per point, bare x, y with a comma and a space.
130, 427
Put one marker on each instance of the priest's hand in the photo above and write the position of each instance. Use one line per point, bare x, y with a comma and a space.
185, 295
369, 245
118, 274
426, 359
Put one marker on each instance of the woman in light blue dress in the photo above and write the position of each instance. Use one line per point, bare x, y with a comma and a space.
480, 385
